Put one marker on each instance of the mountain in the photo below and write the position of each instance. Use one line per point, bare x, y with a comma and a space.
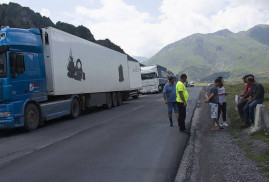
204, 56
140, 59
16, 16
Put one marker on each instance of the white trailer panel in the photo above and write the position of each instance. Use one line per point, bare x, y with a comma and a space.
75, 66
134, 75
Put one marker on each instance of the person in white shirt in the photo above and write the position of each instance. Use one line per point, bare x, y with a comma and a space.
222, 104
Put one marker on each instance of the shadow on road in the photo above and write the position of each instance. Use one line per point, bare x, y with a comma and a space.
19, 131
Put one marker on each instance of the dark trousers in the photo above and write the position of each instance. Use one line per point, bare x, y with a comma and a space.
181, 116
222, 109
241, 106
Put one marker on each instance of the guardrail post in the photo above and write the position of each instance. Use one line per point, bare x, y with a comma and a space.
261, 119
237, 99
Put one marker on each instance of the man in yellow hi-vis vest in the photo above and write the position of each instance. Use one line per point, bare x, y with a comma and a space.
182, 99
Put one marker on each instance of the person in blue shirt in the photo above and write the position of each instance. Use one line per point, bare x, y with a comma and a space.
170, 98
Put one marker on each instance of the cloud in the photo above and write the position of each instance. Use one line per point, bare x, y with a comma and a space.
45, 12
138, 33
142, 34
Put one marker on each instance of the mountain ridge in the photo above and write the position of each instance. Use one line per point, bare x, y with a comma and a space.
202, 55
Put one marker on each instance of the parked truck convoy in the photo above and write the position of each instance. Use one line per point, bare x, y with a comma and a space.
47, 73
153, 78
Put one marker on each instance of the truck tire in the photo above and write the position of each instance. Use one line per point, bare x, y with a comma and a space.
75, 109
135, 96
114, 99
108, 104
31, 117
119, 98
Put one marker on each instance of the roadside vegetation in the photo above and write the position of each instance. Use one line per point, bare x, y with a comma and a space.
255, 145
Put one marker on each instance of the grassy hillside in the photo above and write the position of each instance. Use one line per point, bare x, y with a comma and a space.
203, 55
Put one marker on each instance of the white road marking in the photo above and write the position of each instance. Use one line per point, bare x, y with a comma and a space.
138, 107
58, 140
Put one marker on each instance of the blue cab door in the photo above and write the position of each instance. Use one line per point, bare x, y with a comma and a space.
26, 85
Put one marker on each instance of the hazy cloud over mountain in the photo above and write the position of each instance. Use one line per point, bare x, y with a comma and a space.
143, 28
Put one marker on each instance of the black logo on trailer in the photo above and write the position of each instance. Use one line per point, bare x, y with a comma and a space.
121, 77
75, 70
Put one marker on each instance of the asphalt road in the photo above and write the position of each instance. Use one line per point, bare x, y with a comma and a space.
131, 143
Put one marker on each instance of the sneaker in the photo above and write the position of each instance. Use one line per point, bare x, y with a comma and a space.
225, 124
171, 124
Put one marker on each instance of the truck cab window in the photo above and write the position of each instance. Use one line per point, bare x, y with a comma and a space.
17, 63
3, 65
149, 76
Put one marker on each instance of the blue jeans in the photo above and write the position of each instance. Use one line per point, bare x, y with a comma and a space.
249, 110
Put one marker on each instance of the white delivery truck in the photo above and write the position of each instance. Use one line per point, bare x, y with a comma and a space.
153, 79
49, 73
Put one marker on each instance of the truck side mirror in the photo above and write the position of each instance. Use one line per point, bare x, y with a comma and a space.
20, 63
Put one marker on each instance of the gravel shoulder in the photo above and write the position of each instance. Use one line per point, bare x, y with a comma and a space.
214, 156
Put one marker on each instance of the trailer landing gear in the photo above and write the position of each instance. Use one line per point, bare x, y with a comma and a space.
119, 98
114, 99
108, 104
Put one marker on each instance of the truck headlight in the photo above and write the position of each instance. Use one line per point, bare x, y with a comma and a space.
5, 114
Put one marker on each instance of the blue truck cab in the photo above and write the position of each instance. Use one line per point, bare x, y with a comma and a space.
22, 77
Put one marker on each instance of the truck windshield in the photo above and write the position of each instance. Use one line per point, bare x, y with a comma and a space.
3, 65
148, 76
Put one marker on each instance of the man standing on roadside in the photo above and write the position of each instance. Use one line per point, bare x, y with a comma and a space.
256, 97
212, 98
182, 99
170, 98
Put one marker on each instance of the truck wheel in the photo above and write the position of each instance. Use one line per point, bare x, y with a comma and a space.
31, 117
114, 99
119, 98
136, 96
159, 88
75, 109
108, 101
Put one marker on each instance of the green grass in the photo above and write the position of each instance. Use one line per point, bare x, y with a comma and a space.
261, 135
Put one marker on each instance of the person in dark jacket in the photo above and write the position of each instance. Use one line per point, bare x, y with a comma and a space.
256, 97
244, 96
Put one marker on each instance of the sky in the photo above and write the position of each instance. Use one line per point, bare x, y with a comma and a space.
143, 27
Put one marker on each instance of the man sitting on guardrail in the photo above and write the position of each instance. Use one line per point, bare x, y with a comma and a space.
244, 96
256, 97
